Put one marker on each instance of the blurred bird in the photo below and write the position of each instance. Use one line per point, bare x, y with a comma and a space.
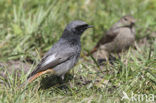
64, 54
120, 36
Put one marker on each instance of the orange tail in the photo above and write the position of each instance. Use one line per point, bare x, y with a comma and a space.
32, 78
94, 50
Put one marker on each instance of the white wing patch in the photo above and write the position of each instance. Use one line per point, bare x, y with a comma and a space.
49, 59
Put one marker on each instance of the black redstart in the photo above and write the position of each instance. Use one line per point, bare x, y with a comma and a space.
64, 54
120, 36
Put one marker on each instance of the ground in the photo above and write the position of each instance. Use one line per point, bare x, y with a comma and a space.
28, 29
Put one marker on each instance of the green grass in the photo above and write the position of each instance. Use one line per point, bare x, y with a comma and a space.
28, 29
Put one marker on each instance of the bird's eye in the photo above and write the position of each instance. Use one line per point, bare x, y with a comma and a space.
125, 19
78, 28
81, 27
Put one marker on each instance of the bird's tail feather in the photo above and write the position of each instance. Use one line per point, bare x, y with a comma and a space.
32, 78
92, 51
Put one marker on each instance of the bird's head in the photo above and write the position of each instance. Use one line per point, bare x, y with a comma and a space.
76, 27
127, 20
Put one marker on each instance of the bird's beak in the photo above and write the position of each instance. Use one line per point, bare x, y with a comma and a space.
90, 26
133, 22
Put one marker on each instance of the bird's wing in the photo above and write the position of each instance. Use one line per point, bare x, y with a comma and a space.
108, 37
49, 61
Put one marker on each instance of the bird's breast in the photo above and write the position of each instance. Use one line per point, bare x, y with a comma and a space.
123, 40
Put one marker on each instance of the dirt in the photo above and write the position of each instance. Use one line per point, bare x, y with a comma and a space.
14, 68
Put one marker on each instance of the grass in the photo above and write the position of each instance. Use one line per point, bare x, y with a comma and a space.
28, 28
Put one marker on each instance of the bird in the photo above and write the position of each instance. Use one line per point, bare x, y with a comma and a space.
118, 38
64, 53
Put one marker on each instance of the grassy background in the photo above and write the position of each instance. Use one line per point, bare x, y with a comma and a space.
28, 28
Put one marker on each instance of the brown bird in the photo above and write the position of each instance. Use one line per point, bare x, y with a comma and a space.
120, 36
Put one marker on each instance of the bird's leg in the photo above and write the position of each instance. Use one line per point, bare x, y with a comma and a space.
62, 77
119, 57
102, 53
